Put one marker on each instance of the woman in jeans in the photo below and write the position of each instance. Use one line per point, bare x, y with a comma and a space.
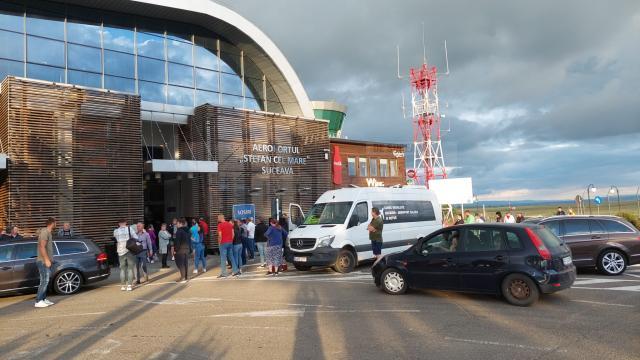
198, 249
237, 245
163, 238
275, 235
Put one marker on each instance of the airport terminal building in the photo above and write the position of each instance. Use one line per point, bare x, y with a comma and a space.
148, 109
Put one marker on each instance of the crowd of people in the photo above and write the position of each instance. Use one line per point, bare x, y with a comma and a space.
239, 241
507, 218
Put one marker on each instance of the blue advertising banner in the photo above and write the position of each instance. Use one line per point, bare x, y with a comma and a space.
244, 211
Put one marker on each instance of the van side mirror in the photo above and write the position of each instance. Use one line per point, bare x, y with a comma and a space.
354, 221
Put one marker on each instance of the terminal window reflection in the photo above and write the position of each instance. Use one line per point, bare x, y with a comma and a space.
176, 64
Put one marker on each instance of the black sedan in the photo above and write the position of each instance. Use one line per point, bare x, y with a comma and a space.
76, 262
518, 261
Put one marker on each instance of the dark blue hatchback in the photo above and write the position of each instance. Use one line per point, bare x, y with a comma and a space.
518, 261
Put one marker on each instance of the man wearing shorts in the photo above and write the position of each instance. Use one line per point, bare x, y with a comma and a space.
375, 232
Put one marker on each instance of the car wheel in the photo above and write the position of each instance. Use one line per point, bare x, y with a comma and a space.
67, 282
612, 262
520, 290
346, 262
302, 267
393, 282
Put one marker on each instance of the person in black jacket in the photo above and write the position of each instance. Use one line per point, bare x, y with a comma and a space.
181, 247
261, 240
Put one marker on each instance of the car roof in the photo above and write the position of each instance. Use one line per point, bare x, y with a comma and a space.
562, 217
7, 241
493, 225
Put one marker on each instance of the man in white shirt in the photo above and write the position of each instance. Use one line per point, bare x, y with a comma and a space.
250, 230
127, 259
509, 219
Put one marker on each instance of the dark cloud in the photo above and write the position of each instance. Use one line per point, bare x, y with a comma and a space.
541, 94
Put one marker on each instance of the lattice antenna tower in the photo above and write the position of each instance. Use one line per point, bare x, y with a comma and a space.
428, 156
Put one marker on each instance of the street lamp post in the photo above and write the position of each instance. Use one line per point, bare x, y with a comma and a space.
590, 188
613, 189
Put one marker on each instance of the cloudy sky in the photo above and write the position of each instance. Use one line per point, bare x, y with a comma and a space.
543, 97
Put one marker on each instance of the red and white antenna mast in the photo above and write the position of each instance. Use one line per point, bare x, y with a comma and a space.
428, 157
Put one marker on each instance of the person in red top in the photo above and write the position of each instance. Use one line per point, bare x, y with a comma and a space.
225, 242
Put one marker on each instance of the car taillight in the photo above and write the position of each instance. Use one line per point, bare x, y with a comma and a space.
537, 242
101, 257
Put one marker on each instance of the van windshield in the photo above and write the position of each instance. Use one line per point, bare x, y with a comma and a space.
328, 213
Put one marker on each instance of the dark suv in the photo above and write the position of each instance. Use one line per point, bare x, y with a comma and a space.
76, 262
518, 261
608, 243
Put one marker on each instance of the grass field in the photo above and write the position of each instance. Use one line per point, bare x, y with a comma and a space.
549, 209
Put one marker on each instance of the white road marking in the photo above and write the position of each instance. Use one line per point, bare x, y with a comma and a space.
107, 347
255, 327
626, 288
189, 301
302, 312
634, 275
266, 313
598, 281
178, 301
618, 288
495, 343
57, 316
601, 303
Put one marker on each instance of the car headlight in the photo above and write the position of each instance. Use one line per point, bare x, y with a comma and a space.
326, 241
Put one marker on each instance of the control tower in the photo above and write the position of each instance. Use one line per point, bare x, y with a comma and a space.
333, 112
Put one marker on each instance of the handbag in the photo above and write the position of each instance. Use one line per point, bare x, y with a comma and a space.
133, 245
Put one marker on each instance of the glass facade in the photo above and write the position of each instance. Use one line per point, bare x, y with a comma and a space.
163, 62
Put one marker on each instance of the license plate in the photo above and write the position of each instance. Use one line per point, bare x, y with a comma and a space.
300, 259
566, 260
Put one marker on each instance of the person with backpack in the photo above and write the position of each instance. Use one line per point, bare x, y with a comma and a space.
127, 259
142, 258
276, 236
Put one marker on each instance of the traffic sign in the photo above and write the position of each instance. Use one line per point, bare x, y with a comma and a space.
597, 200
411, 174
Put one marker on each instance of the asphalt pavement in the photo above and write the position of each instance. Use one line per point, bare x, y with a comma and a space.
319, 315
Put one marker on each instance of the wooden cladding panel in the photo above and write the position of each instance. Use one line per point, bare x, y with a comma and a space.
232, 134
74, 155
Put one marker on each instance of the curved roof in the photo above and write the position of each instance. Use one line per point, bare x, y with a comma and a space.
236, 29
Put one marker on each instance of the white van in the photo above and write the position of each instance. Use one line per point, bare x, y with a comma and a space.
334, 232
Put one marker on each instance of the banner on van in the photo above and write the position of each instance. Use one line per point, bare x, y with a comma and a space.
402, 211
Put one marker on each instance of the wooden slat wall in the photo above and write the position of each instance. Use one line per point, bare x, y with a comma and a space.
74, 155
231, 134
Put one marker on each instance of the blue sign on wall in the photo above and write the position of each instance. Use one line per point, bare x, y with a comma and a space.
244, 211
597, 200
